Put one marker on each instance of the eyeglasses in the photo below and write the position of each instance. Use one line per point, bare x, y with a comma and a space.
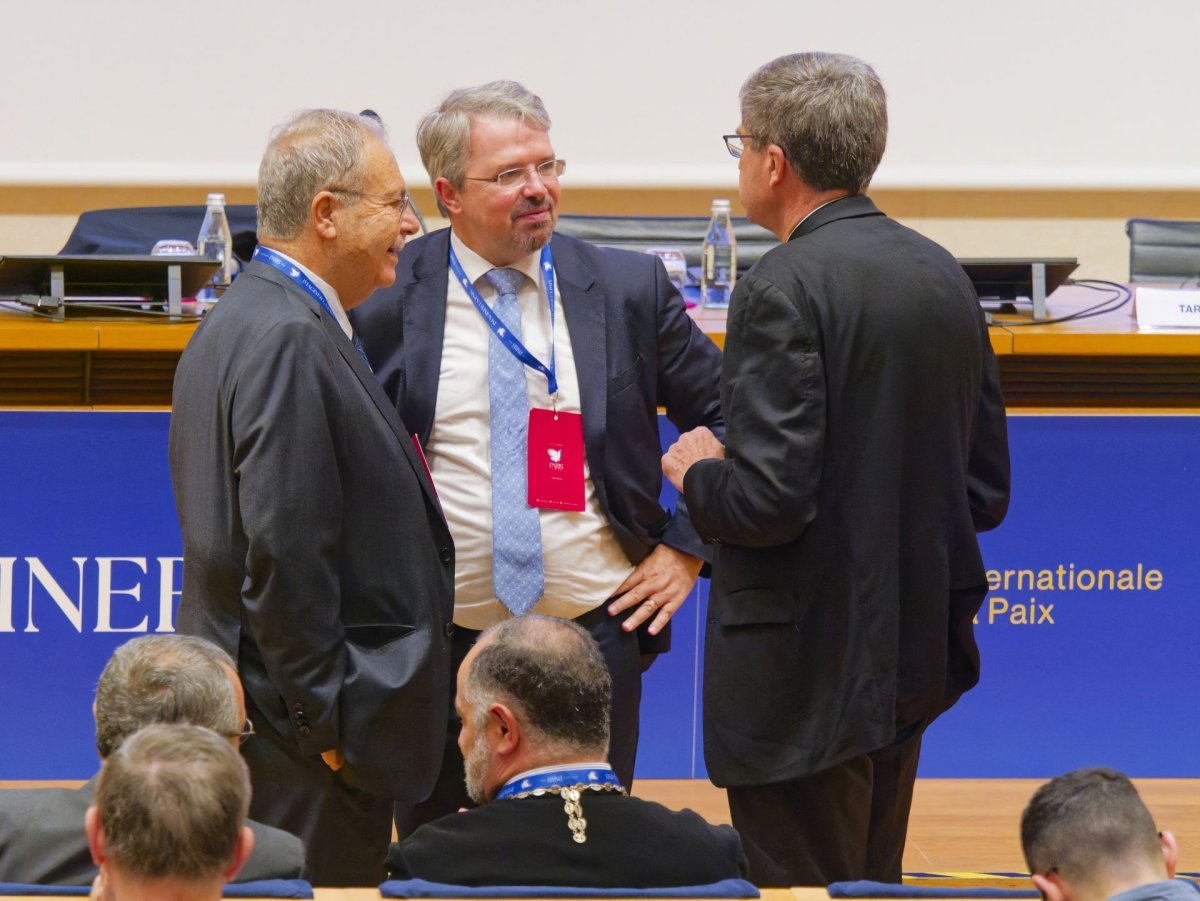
511, 178
399, 204
247, 731
736, 144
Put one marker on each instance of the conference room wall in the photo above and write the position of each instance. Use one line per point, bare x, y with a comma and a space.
1089, 225
1088, 94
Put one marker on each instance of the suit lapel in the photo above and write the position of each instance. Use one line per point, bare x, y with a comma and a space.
423, 303
585, 307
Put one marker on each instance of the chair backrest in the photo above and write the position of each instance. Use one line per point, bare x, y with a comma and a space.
684, 233
135, 230
1163, 250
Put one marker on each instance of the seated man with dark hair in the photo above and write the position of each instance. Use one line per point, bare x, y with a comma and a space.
533, 695
169, 818
1087, 836
150, 679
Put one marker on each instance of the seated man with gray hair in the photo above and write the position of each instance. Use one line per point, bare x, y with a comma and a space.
1087, 836
150, 679
534, 694
169, 818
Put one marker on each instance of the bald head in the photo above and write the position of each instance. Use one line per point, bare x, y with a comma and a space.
553, 676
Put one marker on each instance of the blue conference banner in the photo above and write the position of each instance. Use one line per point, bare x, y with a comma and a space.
1087, 634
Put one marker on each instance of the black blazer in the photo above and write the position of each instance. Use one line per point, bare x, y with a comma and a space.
315, 550
42, 840
631, 843
635, 348
867, 443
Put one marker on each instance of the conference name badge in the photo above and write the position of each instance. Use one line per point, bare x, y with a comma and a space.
555, 460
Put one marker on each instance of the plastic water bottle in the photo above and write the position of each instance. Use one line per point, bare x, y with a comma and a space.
216, 242
718, 258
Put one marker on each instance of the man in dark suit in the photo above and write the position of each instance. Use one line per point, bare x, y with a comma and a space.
866, 446
544, 450
315, 551
151, 679
169, 818
533, 695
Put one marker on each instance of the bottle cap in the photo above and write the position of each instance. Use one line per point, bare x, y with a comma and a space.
216, 198
719, 204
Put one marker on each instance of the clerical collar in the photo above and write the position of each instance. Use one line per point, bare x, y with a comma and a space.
813, 210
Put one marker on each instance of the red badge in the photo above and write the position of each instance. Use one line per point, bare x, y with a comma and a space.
416, 442
555, 460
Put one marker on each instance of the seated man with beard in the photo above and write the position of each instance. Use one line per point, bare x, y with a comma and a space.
533, 695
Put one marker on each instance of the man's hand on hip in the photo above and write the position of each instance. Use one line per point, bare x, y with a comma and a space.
657, 587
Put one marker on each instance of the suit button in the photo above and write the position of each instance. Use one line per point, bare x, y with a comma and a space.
304, 729
445, 554
448, 629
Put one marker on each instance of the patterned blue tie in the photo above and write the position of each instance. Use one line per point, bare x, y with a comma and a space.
517, 575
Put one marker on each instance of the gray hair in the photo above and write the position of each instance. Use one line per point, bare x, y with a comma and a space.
1088, 822
172, 801
551, 672
444, 133
826, 111
315, 150
164, 679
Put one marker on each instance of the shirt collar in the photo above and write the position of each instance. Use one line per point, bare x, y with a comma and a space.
562, 767
476, 266
331, 295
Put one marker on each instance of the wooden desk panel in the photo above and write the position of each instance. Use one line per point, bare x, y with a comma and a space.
1097, 362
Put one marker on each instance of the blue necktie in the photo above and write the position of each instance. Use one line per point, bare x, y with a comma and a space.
517, 575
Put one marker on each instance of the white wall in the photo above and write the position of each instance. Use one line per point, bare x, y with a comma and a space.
1009, 93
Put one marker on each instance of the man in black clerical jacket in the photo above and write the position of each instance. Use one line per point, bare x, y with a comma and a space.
533, 695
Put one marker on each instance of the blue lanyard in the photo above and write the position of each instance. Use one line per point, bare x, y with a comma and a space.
510, 341
292, 271
601, 775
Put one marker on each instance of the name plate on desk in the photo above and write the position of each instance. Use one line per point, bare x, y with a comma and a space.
1167, 308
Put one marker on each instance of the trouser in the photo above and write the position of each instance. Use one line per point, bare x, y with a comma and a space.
621, 653
345, 831
844, 823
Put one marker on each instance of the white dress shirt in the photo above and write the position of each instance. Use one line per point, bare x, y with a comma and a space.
583, 561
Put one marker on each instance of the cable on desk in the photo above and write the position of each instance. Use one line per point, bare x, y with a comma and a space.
1119, 296
128, 314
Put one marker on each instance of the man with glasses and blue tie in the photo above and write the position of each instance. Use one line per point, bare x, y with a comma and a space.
315, 551
531, 366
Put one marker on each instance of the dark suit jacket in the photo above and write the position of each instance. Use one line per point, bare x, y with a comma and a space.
635, 349
314, 547
631, 843
42, 840
867, 443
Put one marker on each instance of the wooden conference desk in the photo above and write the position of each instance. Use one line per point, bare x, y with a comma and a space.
1102, 361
